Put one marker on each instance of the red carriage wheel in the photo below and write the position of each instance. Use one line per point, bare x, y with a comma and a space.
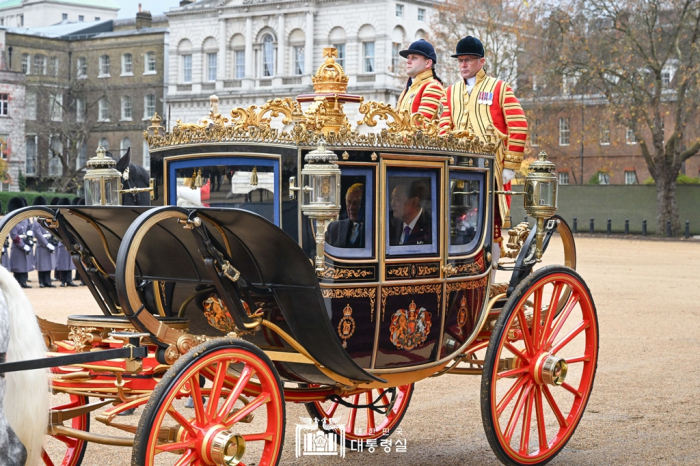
364, 423
238, 415
60, 450
539, 367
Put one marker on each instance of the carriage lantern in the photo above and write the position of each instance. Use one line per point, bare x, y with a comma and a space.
319, 199
541, 195
102, 180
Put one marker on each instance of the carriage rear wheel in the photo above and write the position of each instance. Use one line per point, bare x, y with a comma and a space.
539, 368
238, 413
363, 424
60, 450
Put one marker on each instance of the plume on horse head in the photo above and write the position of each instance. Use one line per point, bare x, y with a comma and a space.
133, 176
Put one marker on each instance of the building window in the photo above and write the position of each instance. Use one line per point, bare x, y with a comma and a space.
211, 67
39, 64
126, 107
187, 68
82, 67
150, 63
81, 160
97, 18
395, 48
368, 54
124, 145
30, 106
604, 135
630, 137
81, 18
127, 64
4, 104
104, 66
149, 105
55, 151
631, 177
103, 109
79, 110
298, 60
239, 63
564, 132
603, 178
146, 156
30, 155
21, 20
25, 63
53, 66
534, 134
65, 16
56, 107
399, 10
104, 142
341, 54
268, 54
563, 177
421, 14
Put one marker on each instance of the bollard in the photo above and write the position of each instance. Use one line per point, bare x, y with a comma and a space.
592, 225
609, 227
575, 225
668, 228
627, 226
644, 227
687, 229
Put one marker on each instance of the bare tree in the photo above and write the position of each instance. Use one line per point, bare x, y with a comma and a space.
641, 58
499, 24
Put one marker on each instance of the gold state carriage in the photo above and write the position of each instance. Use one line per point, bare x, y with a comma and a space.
279, 269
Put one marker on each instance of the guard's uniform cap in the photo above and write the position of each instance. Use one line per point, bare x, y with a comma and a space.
420, 47
469, 46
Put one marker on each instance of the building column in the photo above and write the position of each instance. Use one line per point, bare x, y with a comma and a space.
309, 45
280, 70
249, 55
221, 57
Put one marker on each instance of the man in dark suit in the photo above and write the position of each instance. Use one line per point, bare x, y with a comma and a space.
409, 223
349, 233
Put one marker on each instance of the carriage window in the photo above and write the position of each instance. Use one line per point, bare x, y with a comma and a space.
351, 235
412, 212
250, 184
466, 211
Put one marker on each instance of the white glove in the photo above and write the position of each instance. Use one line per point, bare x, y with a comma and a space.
27, 248
50, 247
508, 175
30, 233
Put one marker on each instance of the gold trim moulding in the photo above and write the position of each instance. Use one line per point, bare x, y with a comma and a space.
288, 356
90, 437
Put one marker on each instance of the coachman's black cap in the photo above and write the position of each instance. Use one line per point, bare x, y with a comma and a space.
420, 47
469, 46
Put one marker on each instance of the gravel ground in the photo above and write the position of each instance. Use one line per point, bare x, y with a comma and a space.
645, 406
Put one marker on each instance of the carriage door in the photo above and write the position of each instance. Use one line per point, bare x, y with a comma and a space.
412, 236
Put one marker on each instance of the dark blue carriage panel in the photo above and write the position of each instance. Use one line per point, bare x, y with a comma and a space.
409, 326
465, 301
249, 183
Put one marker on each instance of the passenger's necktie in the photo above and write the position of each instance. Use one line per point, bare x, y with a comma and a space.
355, 233
406, 234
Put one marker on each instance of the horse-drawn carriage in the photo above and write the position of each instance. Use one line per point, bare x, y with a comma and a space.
278, 269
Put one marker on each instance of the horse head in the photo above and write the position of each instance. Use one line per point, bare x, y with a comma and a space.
133, 176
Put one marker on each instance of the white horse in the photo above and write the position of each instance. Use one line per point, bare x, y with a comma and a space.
26, 393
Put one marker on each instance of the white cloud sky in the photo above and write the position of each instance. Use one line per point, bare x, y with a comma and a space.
156, 7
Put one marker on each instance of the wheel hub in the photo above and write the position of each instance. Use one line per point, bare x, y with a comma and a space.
550, 370
226, 448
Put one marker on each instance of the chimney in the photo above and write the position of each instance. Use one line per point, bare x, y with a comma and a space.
143, 19
186, 2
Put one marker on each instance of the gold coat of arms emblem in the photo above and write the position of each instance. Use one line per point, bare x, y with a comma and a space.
409, 329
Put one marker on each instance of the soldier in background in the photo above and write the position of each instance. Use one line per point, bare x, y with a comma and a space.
21, 261
45, 259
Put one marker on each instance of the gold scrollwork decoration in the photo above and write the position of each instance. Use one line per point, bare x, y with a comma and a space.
411, 289
467, 284
334, 273
335, 293
398, 271
424, 270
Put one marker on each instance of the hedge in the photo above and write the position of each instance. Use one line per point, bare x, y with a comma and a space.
5, 197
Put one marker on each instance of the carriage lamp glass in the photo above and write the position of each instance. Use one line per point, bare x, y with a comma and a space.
102, 180
541, 195
320, 201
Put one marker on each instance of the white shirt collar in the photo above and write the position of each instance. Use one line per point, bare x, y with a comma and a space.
470, 83
413, 222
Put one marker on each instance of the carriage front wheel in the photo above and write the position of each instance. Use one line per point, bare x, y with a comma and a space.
238, 413
539, 367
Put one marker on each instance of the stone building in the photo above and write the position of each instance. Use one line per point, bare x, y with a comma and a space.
12, 101
88, 83
249, 51
40, 13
